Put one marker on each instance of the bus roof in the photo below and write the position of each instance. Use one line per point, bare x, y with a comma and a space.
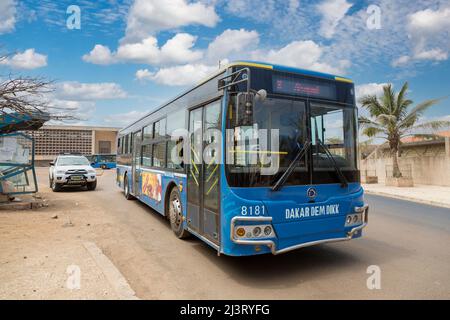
248, 63
282, 68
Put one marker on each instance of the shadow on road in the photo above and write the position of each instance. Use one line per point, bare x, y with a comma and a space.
281, 271
306, 264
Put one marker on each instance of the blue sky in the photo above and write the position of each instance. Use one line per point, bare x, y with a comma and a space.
130, 56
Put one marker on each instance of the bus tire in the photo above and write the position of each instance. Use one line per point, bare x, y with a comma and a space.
103, 166
174, 211
126, 188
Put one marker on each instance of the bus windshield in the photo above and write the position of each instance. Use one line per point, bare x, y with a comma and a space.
330, 129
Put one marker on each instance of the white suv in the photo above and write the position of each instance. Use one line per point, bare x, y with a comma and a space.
71, 170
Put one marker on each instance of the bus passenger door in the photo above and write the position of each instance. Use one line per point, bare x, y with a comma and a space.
204, 172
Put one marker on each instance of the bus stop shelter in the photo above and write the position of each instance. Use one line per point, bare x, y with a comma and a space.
17, 171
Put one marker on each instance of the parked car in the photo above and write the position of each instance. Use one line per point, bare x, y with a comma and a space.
71, 170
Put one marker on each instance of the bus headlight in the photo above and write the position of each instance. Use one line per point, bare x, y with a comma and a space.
240, 232
349, 220
354, 219
256, 231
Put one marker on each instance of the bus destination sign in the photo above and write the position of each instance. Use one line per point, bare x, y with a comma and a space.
303, 87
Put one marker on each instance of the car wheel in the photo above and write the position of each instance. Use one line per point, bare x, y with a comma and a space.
174, 212
55, 186
91, 185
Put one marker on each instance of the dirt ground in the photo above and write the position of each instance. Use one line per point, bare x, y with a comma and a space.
40, 247
409, 242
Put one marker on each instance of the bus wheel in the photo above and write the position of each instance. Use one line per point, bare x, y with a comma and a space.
126, 188
175, 214
103, 166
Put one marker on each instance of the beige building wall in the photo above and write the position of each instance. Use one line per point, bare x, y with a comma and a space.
430, 164
51, 140
102, 135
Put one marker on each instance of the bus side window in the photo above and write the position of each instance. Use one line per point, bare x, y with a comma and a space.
146, 159
175, 147
148, 132
159, 154
129, 143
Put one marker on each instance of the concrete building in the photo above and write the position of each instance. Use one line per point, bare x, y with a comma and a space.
51, 140
425, 161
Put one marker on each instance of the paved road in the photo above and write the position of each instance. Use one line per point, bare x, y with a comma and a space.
408, 241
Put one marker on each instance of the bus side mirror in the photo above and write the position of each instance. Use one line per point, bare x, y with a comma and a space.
261, 95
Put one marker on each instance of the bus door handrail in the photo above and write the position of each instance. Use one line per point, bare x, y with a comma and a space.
234, 79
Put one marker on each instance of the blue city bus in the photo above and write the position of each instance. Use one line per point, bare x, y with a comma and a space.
313, 197
103, 161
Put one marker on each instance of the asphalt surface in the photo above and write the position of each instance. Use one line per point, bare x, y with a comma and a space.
409, 242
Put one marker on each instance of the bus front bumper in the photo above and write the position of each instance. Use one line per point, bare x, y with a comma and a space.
364, 210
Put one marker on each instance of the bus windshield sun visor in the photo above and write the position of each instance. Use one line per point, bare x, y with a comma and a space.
301, 153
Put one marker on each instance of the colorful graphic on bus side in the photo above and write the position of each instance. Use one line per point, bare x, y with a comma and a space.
151, 185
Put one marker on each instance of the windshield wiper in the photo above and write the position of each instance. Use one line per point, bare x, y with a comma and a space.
277, 186
342, 179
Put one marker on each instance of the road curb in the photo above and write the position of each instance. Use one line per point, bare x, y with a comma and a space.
112, 274
394, 196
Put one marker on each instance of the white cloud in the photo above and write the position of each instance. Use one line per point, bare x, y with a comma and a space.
302, 54
182, 75
432, 54
99, 55
293, 5
332, 12
366, 89
122, 119
262, 10
79, 99
28, 59
232, 41
7, 15
77, 91
430, 21
369, 89
430, 38
144, 74
80, 110
401, 61
176, 50
147, 17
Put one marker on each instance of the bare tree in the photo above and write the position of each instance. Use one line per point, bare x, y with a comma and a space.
29, 96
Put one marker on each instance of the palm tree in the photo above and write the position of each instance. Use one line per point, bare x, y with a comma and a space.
391, 118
